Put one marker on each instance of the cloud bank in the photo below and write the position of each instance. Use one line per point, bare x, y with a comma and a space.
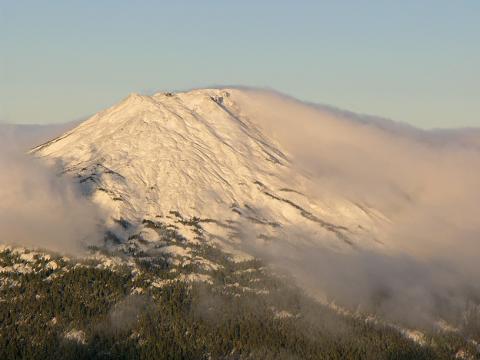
425, 182
38, 208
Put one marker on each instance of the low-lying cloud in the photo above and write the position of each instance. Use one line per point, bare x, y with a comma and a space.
39, 208
425, 182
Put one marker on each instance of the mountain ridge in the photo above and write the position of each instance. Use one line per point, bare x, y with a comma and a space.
198, 154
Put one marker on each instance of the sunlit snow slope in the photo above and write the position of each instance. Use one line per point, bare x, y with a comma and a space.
195, 154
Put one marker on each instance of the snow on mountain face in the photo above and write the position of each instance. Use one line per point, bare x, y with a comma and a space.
195, 155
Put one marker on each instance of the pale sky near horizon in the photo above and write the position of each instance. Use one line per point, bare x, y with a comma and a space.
410, 61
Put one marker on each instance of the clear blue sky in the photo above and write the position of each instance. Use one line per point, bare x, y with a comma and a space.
412, 61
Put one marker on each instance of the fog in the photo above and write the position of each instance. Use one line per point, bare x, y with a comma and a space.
39, 208
425, 182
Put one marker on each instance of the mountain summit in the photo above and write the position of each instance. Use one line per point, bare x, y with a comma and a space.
200, 155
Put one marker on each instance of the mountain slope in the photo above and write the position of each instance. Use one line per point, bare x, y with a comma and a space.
195, 154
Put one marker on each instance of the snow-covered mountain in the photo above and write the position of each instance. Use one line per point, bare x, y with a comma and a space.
197, 155
210, 192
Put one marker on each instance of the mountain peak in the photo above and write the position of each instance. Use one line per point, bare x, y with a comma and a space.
134, 97
196, 154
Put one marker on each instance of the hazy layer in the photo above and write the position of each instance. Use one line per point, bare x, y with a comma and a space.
426, 183
38, 207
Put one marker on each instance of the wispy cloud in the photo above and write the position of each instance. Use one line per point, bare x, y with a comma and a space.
425, 182
40, 209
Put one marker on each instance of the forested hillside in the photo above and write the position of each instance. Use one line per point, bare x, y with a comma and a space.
103, 308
